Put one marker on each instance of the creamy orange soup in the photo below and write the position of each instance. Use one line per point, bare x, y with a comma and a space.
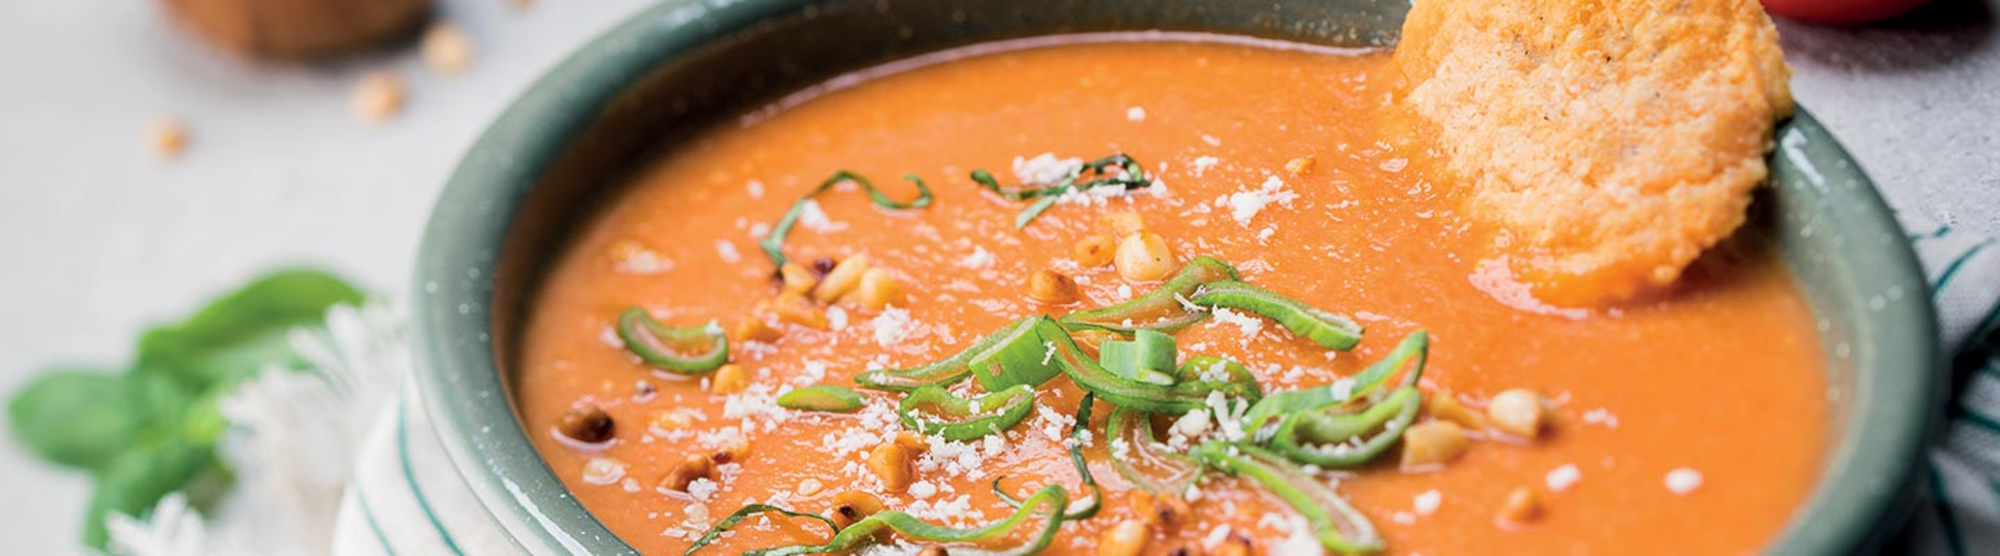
1690, 424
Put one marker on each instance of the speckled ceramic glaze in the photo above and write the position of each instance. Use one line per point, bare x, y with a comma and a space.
528, 181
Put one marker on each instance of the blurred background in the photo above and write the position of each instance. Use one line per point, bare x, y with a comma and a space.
144, 167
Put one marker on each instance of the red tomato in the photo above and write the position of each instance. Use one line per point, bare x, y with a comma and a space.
1840, 11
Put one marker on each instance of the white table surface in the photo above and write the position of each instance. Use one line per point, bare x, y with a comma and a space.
98, 238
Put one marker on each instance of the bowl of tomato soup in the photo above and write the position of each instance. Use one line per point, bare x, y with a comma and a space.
1076, 277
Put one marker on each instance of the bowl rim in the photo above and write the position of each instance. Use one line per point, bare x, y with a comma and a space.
458, 373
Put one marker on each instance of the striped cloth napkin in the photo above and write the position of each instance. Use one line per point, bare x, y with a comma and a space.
1961, 510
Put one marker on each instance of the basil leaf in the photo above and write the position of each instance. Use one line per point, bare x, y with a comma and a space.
237, 335
77, 418
137, 479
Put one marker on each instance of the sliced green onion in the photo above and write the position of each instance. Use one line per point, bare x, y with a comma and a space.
1151, 357
1179, 398
1018, 356
1202, 367
824, 397
774, 244
1164, 309
1130, 175
1416, 345
1338, 526
1143, 462
745, 513
1325, 328
965, 419
1343, 440
944, 372
662, 346
1050, 501
1075, 443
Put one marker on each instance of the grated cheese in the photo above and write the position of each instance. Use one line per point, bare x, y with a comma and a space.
1427, 502
1135, 114
727, 250
980, 258
1045, 168
1202, 164
814, 218
1683, 480
1561, 478
1244, 205
892, 326
1250, 326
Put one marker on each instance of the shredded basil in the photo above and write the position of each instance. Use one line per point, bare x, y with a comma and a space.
774, 244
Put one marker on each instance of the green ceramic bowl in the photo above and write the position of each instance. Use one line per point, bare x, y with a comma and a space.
528, 181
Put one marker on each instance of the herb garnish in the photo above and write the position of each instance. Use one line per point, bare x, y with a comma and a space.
774, 244
1118, 170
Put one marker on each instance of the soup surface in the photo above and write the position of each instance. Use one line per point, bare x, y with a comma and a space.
1689, 424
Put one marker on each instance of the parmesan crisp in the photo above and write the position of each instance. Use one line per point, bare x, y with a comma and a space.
1609, 143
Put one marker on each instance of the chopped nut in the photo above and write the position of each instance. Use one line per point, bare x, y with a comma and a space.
890, 462
796, 309
1444, 405
1519, 412
756, 329
1162, 511
377, 97
851, 506
1299, 166
169, 138
1145, 257
445, 49
843, 278
878, 290
1182, 548
694, 466
729, 379
798, 278
1523, 505
934, 550
589, 425
1432, 443
1052, 288
1127, 538
1124, 224
1235, 545
1094, 250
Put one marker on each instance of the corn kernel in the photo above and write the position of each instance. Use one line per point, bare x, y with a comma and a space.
1519, 412
1522, 506
1444, 405
1127, 538
878, 290
890, 462
1145, 257
1052, 288
797, 277
729, 379
1299, 166
842, 279
1123, 224
851, 506
756, 329
1094, 250
1432, 443
796, 309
